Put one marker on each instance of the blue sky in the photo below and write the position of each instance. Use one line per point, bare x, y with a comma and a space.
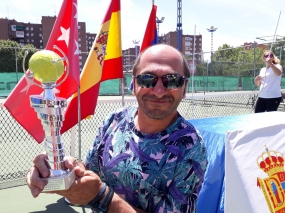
238, 21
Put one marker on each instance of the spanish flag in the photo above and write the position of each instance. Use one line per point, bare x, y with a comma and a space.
104, 62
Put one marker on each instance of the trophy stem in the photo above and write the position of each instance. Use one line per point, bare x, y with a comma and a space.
50, 111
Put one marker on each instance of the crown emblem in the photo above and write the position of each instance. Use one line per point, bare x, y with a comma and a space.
271, 162
102, 38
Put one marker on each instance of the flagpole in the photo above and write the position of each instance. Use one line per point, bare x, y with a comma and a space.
79, 124
193, 57
122, 91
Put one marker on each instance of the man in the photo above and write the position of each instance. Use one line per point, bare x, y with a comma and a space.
149, 155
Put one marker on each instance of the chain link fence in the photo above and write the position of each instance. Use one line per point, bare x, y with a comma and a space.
18, 148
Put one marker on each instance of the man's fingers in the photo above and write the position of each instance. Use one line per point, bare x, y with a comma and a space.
70, 162
40, 163
35, 183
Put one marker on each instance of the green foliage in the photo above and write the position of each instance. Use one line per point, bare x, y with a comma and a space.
231, 61
12, 54
279, 50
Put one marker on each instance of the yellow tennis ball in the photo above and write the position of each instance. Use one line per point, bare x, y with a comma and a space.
46, 66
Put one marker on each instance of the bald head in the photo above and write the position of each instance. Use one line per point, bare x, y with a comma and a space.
160, 52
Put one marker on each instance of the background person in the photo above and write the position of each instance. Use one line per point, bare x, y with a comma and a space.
269, 80
149, 155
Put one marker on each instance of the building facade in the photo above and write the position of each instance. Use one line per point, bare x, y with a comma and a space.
38, 34
191, 45
129, 57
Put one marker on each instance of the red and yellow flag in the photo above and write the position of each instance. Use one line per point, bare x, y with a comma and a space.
104, 62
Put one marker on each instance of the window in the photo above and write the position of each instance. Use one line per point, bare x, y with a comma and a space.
40, 35
79, 45
79, 27
32, 28
80, 63
40, 29
32, 40
41, 41
27, 34
80, 57
32, 34
79, 39
27, 28
188, 39
41, 47
187, 43
28, 40
187, 53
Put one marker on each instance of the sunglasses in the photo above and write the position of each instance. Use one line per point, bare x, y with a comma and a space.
267, 55
169, 81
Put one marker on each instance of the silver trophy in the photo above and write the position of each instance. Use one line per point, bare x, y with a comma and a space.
47, 67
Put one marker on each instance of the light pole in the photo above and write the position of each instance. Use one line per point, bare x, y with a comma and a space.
159, 21
211, 30
239, 83
136, 47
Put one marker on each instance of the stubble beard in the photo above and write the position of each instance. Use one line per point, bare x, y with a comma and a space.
157, 113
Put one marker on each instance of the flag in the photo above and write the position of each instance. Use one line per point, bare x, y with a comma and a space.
65, 36
104, 62
150, 36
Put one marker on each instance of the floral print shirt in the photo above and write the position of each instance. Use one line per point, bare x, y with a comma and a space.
160, 172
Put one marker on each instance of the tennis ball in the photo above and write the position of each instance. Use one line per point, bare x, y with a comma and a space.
45, 66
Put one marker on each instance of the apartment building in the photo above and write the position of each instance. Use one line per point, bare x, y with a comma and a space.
129, 57
38, 34
188, 45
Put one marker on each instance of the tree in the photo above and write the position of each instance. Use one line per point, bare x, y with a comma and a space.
230, 61
11, 55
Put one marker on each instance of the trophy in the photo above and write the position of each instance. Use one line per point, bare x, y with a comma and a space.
47, 67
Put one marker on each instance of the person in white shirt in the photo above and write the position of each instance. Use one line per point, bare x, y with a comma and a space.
269, 80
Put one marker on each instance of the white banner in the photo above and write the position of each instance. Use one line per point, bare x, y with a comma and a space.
254, 167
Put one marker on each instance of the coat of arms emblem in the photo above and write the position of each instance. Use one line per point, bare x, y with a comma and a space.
273, 187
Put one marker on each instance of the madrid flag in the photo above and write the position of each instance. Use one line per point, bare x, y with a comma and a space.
104, 62
65, 36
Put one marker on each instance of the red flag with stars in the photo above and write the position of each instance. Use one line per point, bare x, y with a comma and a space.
65, 36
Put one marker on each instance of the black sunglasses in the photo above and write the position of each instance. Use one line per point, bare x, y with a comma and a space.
169, 81
268, 55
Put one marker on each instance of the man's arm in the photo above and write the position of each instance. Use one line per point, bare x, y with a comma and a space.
87, 186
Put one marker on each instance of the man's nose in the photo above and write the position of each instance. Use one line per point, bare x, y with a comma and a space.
159, 90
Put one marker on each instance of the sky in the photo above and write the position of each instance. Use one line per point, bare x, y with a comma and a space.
237, 21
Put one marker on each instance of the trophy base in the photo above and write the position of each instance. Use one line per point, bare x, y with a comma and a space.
62, 182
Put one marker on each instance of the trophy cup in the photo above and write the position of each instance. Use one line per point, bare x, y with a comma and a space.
47, 67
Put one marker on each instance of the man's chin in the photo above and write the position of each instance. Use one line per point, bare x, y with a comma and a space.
157, 114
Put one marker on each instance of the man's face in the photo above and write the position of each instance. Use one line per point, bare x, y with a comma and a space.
159, 102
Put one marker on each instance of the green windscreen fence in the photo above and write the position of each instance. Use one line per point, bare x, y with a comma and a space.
213, 83
8, 81
112, 87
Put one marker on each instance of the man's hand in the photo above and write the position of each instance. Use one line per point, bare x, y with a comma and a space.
85, 187
41, 170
